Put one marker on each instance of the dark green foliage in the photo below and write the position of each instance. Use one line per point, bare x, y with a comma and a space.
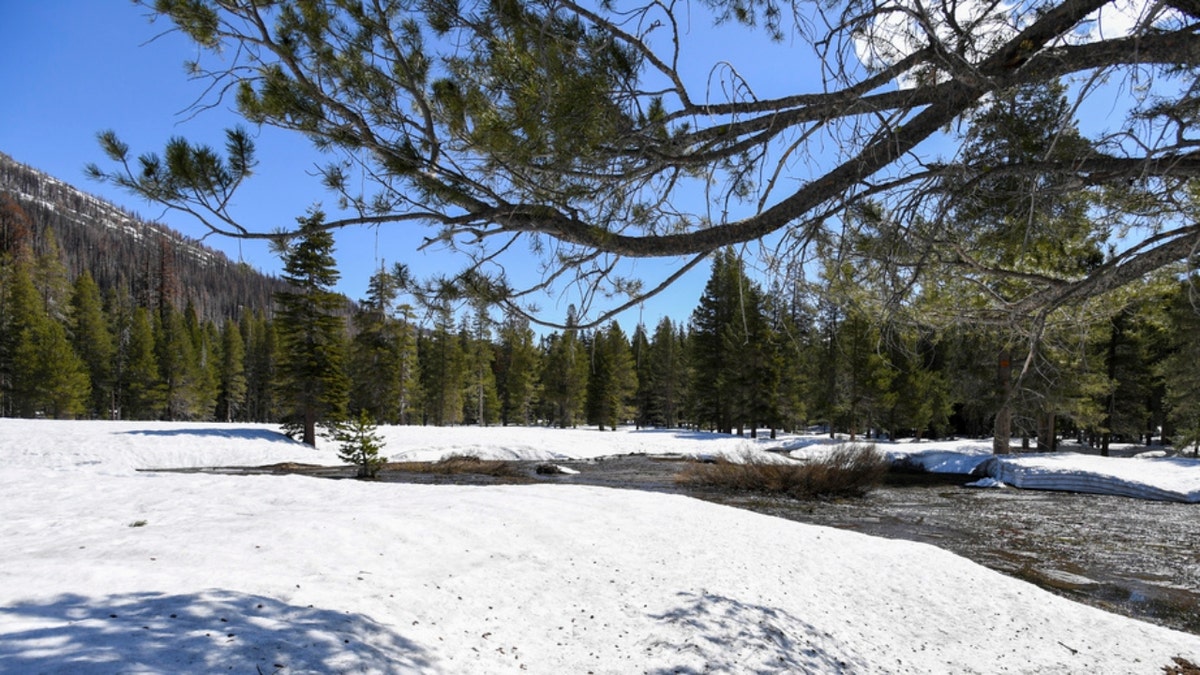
231, 373
358, 442
518, 368
145, 392
442, 372
93, 343
612, 381
667, 374
481, 403
1180, 369
731, 351
384, 372
565, 377
313, 385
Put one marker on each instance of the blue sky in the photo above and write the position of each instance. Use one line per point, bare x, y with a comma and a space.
72, 68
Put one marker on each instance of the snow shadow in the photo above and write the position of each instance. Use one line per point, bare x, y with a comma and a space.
690, 435
209, 631
719, 634
215, 432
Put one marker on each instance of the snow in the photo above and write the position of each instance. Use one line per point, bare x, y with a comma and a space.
1163, 478
108, 569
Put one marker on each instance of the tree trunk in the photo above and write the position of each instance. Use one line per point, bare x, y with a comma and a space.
1003, 425
310, 427
1046, 431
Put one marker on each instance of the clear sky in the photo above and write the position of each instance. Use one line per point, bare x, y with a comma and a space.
71, 68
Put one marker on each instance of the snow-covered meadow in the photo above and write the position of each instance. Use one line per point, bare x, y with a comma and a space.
106, 569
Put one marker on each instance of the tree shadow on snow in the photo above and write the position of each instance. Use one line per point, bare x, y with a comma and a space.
209, 631
724, 635
691, 435
216, 432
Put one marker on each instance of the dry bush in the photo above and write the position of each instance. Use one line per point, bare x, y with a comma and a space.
1182, 667
849, 471
460, 464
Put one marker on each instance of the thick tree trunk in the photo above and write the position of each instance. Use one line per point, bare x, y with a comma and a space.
310, 427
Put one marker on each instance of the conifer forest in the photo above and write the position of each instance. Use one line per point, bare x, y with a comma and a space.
751, 357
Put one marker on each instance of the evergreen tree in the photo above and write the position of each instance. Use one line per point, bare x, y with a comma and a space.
864, 377
93, 343
1180, 370
643, 398
119, 310
358, 443
232, 372
480, 400
383, 352
613, 378
565, 376
47, 377
145, 392
51, 379
729, 352
262, 360
1023, 227
178, 365
442, 371
50, 278
517, 371
666, 375
313, 385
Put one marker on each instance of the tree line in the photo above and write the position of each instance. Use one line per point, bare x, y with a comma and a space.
795, 355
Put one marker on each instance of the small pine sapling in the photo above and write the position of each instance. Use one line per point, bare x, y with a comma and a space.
358, 444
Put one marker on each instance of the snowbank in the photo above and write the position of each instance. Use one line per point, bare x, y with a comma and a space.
105, 569
1162, 478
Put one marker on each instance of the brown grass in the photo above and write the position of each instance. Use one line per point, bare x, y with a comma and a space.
849, 471
459, 464
1182, 667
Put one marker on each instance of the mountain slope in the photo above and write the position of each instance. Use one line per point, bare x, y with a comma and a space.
151, 261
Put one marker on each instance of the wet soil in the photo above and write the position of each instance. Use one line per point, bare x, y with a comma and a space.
1138, 558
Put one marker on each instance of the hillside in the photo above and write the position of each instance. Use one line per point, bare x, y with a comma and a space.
149, 260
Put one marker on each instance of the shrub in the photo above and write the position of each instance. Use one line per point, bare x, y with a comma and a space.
358, 444
848, 471
460, 464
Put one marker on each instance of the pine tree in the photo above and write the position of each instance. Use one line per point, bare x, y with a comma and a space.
667, 375
358, 443
118, 305
380, 353
232, 372
442, 371
565, 376
643, 398
726, 356
481, 403
1180, 370
50, 278
55, 379
313, 384
262, 361
613, 379
93, 343
178, 365
145, 392
47, 378
518, 365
